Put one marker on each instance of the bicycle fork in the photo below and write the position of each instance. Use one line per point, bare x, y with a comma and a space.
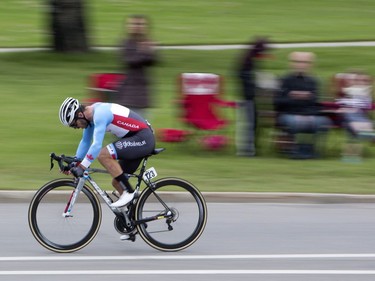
73, 198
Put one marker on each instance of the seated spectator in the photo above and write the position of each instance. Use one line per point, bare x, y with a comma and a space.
355, 103
297, 107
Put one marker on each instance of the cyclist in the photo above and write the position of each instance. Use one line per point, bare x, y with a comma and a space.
136, 140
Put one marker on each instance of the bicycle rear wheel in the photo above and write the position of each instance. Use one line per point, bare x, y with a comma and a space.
188, 220
56, 232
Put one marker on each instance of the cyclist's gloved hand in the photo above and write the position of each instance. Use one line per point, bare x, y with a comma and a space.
74, 164
65, 169
77, 171
70, 159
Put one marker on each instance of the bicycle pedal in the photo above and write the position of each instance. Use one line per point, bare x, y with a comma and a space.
127, 237
132, 238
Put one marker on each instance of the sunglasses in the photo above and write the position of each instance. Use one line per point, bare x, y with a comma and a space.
74, 123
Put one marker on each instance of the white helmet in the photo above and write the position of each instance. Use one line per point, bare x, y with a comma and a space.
68, 110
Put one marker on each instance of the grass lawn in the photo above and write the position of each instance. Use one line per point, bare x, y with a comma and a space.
200, 22
35, 84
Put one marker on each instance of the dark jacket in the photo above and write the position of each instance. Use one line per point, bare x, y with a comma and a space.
247, 67
296, 82
134, 92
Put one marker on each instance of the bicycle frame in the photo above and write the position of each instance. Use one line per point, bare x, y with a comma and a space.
87, 178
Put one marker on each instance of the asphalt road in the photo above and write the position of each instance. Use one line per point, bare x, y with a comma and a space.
242, 241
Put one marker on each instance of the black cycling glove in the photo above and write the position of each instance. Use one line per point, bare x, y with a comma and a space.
77, 171
74, 164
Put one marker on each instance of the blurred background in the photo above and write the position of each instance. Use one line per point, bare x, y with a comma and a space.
67, 34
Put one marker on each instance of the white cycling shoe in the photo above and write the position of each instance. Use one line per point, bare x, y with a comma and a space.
124, 237
124, 199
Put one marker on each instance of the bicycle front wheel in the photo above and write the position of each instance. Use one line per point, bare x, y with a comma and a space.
56, 232
171, 216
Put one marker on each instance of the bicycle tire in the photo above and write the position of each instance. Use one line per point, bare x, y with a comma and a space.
64, 234
189, 219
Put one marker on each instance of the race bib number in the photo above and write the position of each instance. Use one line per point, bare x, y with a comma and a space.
149, 174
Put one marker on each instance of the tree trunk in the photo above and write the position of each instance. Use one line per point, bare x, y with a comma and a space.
68, 26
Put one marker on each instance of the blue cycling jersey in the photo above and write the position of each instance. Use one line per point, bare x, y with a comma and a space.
107, 117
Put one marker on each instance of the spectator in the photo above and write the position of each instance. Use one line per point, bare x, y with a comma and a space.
246, 75
297, 107
355, 104
138, 52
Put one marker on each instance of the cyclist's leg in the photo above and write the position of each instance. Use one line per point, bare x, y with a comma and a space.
112, 166
127, 166
129, 148
109, 162
119, 181
133, 147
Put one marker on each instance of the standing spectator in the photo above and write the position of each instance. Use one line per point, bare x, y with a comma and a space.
137, 54
296, 104
246, 75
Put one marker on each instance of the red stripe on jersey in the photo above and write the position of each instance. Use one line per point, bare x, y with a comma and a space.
129, 124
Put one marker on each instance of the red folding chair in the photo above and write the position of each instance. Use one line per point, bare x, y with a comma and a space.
103, 86
200, 99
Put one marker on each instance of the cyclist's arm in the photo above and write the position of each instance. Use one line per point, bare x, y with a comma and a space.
102, 118
85, 142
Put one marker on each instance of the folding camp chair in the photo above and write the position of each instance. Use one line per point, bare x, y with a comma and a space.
103, 86
200, 95
200, 99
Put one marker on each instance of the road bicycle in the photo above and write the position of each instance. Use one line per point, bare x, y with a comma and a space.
169, 214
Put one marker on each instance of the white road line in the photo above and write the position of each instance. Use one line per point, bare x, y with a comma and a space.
189, 272
188, 257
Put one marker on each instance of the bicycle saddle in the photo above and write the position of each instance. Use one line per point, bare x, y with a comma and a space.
157, 151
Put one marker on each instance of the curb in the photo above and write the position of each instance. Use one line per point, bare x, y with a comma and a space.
8, 196
285, 197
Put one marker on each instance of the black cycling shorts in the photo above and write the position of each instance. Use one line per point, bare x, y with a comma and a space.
130, 150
